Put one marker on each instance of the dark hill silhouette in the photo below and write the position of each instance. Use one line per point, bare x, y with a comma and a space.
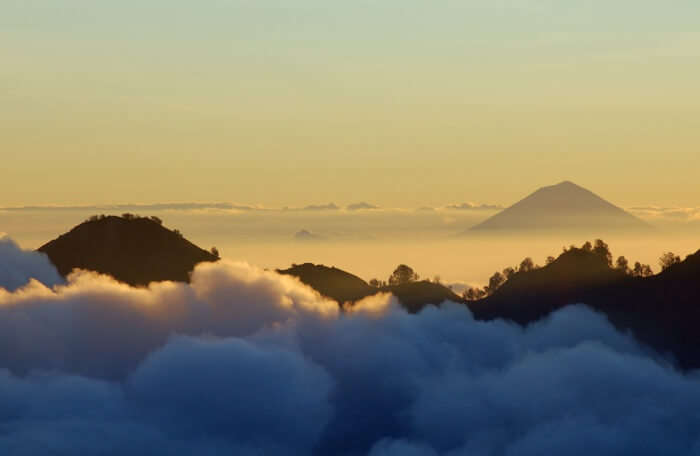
528, 296
563, 206
133, 250
344, 287
662, 311
414, 296
331, 282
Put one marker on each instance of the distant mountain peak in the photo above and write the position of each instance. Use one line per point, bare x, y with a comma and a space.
306, 235
565, 205
563, 186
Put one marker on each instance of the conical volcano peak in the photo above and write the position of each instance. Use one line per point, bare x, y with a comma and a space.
563, 186
565, 205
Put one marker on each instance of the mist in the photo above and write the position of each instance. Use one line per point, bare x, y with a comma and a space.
371, 242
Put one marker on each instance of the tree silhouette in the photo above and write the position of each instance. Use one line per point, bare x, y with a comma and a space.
668, 259
601, 248
509, 272
495, 282
641, 270
403, 274
473, 294
622, 265
527, 265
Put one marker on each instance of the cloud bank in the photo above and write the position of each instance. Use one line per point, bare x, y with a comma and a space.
245, 361
138, 207
475, 207
361, 206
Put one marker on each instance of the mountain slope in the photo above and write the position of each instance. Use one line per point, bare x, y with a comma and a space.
331, 282
414, 296
133, 250
344, 287
562, 206
661, 311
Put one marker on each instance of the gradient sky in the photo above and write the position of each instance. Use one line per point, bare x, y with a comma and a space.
401, 103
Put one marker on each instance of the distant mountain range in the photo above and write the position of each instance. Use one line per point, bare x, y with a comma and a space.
306, 235
565, 206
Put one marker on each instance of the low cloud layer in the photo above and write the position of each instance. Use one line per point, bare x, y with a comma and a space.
361, 206
137, 207
670, 214
318, 207
245, 361
475, 207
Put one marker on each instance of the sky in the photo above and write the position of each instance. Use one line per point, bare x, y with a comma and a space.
401, 103
416, 107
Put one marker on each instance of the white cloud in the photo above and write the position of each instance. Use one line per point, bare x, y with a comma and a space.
245, 361
18, 266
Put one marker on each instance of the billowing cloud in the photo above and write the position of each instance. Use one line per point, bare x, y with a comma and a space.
98, 327
245, 361
18, 266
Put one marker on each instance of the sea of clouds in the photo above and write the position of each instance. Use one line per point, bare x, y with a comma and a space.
245, 361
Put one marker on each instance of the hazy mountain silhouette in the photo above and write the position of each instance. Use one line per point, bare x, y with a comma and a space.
344, 287
661, 311
562, 206
306, 235
134, 250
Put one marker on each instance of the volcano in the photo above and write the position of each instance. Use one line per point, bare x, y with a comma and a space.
565, 206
